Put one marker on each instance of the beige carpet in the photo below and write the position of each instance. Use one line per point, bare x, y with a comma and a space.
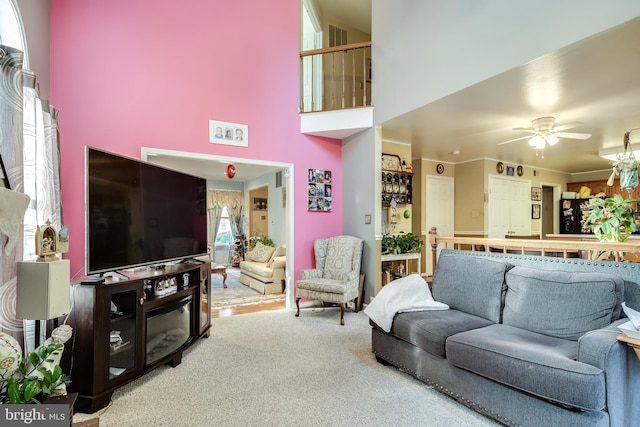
273, 369
236, 293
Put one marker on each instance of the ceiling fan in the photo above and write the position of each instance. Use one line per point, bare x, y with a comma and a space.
544, 131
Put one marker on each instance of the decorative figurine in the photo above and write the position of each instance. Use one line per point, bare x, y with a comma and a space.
49, 242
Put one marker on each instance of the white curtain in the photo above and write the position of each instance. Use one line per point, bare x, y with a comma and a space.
30, 152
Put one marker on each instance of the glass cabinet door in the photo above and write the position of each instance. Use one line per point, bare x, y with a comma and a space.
123, 334
205, 298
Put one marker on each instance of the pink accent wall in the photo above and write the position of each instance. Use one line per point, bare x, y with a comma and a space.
133, 73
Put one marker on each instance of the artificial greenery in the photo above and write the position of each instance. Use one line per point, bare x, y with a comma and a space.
33, 380
265, 240
611, 219
402, 242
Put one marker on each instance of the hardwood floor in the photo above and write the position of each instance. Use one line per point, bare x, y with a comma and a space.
248, 309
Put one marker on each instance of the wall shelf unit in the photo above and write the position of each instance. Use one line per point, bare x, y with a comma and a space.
397, 185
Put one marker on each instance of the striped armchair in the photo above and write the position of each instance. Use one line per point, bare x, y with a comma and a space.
336, 277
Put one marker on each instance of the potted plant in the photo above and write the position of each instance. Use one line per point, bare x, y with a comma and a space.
611, 219
35, 377
265, 240
402, 242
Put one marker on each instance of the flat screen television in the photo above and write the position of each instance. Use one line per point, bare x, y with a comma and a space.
139, 214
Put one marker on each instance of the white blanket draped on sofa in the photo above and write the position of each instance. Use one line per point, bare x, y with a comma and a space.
410, 293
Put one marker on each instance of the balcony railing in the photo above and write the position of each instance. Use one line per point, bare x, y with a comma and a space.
335, 78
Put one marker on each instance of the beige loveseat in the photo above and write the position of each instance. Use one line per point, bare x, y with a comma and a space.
263, 269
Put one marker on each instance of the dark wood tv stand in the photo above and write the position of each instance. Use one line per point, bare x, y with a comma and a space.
132, 310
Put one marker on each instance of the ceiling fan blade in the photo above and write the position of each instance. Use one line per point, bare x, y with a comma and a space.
566, 126
530, 130
513, 140
572, 135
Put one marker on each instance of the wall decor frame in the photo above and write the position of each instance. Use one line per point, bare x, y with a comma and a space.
536, 194
227, 133
319, 190
535, 211
260, 204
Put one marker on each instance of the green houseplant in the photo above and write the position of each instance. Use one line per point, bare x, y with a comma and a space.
402, 242
611, 219
265, 240
37, 376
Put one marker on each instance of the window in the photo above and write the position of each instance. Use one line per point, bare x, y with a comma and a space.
224, 229
337, 36
11, 30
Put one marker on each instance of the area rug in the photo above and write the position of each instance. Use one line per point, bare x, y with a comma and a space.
236, 293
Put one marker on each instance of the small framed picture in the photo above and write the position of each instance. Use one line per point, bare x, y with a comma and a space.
535, 211
228, 133
510, 170
536, 194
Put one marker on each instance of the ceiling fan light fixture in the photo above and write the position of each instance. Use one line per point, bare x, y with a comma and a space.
537, 142
551, 139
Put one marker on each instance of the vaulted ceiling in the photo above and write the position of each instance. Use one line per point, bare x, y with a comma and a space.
595, 81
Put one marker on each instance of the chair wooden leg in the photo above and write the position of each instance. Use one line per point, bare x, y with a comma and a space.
298, 307
343, 306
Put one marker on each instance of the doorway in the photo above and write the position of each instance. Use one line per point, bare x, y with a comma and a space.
509, 207
550, 210
212, 167
259, 212
439, 208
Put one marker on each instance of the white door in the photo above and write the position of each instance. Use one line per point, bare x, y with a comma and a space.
439, 208
509, 207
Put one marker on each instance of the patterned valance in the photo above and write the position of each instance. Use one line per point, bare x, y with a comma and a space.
228, 198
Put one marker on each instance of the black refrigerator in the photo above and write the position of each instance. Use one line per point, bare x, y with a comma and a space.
572, 215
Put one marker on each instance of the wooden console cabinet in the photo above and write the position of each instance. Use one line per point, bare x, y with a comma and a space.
117, 324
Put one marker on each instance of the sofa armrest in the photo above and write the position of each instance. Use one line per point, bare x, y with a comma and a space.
279, 262
621, 367
310, 273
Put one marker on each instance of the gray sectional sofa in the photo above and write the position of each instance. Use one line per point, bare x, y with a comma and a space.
527, 340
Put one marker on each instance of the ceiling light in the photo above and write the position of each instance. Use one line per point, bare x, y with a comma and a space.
537, 141
551, 139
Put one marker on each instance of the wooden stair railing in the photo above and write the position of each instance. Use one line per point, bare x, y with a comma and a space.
568, 248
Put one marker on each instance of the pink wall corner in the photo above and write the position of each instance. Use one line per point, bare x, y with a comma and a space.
132, 73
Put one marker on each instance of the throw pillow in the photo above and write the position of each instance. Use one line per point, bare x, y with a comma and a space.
261, 253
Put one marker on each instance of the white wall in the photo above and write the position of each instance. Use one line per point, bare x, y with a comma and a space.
360, 172
424, 50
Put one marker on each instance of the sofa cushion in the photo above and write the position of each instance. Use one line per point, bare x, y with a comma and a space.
256, 269
537, 364
429, 330
474, 285
560, 303
331, 286
260, 253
